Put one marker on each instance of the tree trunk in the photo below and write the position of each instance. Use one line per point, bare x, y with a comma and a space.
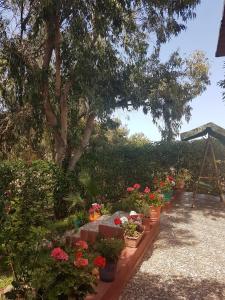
77, 153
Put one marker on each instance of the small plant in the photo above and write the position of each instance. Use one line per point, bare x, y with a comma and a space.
110, 249
154, 199
106, 209
183, 175
133, 200
132, 225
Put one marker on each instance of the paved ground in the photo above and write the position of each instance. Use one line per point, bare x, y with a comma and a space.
188, 260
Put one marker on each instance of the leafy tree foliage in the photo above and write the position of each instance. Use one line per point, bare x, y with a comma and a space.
65, 64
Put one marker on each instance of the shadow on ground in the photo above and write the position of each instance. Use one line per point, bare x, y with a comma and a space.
152, 287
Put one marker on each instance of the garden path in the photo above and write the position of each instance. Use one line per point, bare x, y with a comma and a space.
188, 259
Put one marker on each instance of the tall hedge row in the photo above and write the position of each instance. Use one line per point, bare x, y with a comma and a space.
114, 167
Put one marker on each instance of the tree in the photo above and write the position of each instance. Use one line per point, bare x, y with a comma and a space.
173, 86
69, 63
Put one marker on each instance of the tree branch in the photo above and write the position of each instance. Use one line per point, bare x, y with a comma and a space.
77, 153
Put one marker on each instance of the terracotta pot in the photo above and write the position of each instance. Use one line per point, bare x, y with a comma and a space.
95, 216
108, 273
147, 223
154, 213
180, 184
133, 242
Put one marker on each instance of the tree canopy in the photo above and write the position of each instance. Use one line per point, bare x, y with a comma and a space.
66, 64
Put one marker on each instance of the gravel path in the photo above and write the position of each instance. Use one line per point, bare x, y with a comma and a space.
188, 260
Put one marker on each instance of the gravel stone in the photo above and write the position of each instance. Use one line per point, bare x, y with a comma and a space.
188, 260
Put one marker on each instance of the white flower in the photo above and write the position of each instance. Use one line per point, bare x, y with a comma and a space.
123, 220
133, 213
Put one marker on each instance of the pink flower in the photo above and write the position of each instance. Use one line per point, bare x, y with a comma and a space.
136, 186
59, 254
147, 190
82, 244
81, 262
130, 189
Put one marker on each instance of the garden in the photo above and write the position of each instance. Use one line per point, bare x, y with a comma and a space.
64, 235
81, 200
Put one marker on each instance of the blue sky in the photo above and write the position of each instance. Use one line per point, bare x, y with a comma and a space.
201, 34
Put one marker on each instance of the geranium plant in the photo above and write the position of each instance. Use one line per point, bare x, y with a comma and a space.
132, 200
155, 199
65, 271
132, 225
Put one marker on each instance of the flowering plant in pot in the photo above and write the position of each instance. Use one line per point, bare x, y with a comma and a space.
156, 201
183, 176
132, 227
94, 212
64, 272
109, 250
166, 187
132, 200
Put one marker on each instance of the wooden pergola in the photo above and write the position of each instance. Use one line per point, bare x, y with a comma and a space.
210, 130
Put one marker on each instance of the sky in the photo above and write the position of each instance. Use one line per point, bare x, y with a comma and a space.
201, 34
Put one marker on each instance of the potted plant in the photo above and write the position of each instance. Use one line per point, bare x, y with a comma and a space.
132, 227
94, 212
156, 201
62, 273
183, 176
110, 249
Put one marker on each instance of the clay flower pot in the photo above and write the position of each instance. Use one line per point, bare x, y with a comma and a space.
108, 273
133, 242
147, 223
180, 185
154, 213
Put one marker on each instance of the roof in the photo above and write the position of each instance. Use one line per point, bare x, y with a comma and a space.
209, 128
220, 51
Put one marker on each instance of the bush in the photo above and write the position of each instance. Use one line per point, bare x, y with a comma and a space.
27, 207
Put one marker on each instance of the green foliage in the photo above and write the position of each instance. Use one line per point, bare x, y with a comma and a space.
117, 166
133, 201
110, 248
27, 206
53, 278
99, 61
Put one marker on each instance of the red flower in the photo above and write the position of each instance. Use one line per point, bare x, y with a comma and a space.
147, 190
78, 255
130, 189
82, 244
152, 196
81, 262
136, 186
162, 183
59, 254
117, 221
100, 261
170, 178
